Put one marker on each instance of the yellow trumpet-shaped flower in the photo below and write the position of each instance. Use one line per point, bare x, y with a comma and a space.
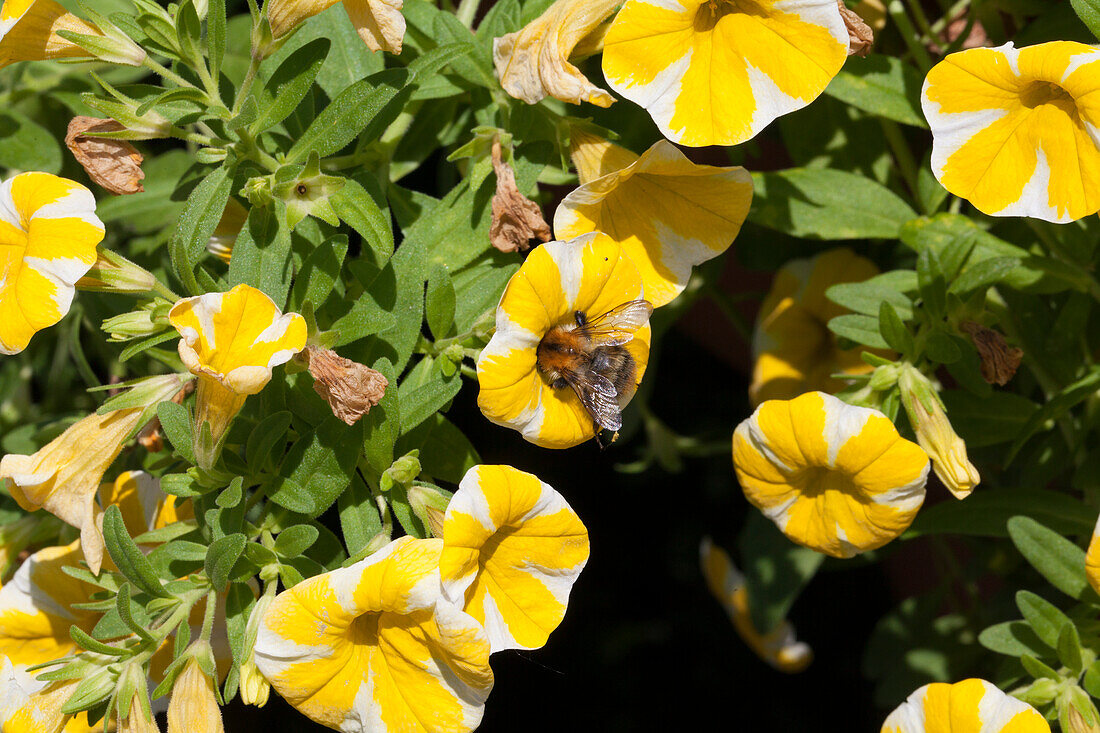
1092, 559
28, 31
376, 647
64, 475
794, 349
970, 706
512, 549
533, 63
716, 72
193, 707
232, 341
833, 477
378, 22
779, 647
936, 435
1017, 131
48, 237
591, 275
668, 213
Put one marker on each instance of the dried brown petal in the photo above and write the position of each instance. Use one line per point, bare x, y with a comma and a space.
860, 35
516, 219
999, 361
113, 164
350, 389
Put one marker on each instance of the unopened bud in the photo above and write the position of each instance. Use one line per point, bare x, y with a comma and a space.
113, 273
429, 503
193, 707
1076, 712
134, 324
148, 126
1041, 692
884, 378
114, 47
935, 434
403, 471
258, 191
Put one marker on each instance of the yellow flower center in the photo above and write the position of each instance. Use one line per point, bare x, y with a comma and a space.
818, 480
364, 629
1039, 93
712, 11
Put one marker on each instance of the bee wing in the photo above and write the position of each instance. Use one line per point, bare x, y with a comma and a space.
599, 397
617, 326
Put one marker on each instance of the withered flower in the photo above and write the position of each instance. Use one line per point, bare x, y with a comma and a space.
113, 164
516, 219
860, 35
350, 388
999, 360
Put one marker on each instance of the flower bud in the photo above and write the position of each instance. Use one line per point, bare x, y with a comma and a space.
429, 503
135, 324
258, 191
149, 126
1076, 712
1041, 692
403, 471
134, 712
884, 378
113, 273
254, 687
935, 434
194, 706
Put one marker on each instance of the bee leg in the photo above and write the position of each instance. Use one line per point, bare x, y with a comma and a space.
581, 318
597, 436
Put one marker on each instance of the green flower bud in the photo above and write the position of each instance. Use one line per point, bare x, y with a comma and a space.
403, 471
429, 504
113, 273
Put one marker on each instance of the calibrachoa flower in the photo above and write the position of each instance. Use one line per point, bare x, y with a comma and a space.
833, 477
591, 274
232, 341
1092, 558
970, 706
63, 476
668, 213
533, 63
30, 706
48, 237
379, 22
143, 504
1015, 130
375, 646
28, 31
935, 433
512, 549
716, 72
794, 349
193, 707
779, 647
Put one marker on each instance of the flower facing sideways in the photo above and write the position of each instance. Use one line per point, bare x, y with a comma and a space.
375, 647
512, 549
1015, 131
28, 31
232, 341
668, 213
779, 647
793, 348
833, 477
970, 706
48, 237
716, 72
591, 275
378, 22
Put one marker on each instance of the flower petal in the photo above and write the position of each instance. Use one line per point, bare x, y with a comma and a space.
970, 706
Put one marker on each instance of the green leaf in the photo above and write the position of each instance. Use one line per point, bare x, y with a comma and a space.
776, 571
932, 283
319, 273
221, 557
1089, 13
318, 467
382, 425
446, 454
260, 447
365, 211
239, 602
261, 254
859, 328
347, 115
1044, 617
86, 641
986, 513
1037, 669
439, 309
893, 330
983, 421
176, 422
1091, 682
941, 347
882, 85
1015, 639
419, 402
294, 541
131, 614
127, 556
27, 146
866, 297
204, 210
984, 274
1069, 649
827, 204
216, 33
231, 496
288, 86
1057, 559
359, 519
1056, 406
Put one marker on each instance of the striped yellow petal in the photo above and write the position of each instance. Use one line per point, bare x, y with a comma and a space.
1092, 559
591, 274
668, 213
970, 706
716, 72
512, 549
144, 506
28, 31
30, 706
48, 237
833, 477
779, 647
64, 475
375, 647
533, 63
1015, 131
378, 22
793, 348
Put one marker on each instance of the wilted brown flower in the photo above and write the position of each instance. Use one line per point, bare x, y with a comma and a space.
516, 219
113, 164
350, 388
860, 35
999, 360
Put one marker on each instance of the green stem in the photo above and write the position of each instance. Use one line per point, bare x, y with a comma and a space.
907, 164
252, 150
909, 35
949, 15
921, 20
208, 616
166, 73
467, 12
163, 290
246, 85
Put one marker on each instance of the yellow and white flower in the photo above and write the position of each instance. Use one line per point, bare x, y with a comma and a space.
779, 647
833, 477
1092, 558
1015, 131
376, 647
668, 213
64, 475
378, 22
28, 31
793, 348
144, 506
30, 706
533, 63
48, 237
232, 341
970, 706
591, 274
716, 72
512, 549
